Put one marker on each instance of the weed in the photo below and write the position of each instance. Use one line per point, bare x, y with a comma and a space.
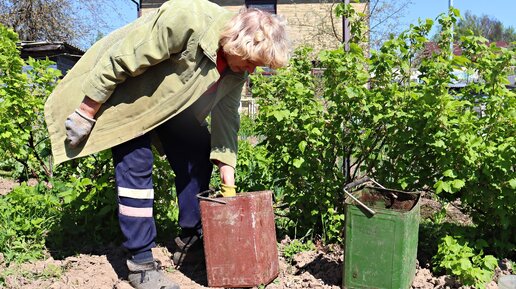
458, 259
51, 271
295, 247
27, 215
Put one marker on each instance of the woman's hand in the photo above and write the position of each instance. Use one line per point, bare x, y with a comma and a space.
227, 174
79, 124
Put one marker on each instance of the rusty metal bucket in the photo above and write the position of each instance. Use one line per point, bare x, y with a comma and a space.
381, 237
239, 240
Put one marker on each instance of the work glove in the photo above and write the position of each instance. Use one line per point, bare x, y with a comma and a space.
78, 127
227, 190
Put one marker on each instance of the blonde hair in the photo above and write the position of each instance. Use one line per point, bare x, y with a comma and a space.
258, 36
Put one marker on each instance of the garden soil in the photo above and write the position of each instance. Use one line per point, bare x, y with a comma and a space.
320, 268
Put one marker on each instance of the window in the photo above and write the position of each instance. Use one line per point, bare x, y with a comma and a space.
265, 5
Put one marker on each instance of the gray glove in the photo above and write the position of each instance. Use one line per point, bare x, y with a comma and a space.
78, 127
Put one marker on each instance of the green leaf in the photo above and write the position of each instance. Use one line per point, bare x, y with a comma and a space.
512, 183
490, 262
458, 184
438, 186
439, 144
316, 131
355, 48
465, 264
445, 186
302, 146
449, 173
280, 114
298, 162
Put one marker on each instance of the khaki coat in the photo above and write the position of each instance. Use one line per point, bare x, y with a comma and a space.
146, 73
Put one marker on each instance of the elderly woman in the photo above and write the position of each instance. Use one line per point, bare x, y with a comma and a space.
162, 75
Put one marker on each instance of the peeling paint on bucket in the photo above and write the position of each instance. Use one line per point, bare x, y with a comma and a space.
240, 240
380, 250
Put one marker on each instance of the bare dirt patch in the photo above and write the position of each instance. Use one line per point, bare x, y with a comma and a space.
315, 269
454, 212
321, 268
6, 186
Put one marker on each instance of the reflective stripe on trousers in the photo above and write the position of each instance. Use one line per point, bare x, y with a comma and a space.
187, 147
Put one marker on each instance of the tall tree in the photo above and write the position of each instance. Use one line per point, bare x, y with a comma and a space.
486, 26
383, 18
75, 21
39, 19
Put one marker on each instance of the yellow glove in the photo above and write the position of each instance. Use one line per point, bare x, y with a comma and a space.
227, 190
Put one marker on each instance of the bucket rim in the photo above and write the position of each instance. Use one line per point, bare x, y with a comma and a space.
205, 196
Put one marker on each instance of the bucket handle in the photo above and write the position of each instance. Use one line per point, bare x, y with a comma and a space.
201, 196
358, 183
365, 180
360, 203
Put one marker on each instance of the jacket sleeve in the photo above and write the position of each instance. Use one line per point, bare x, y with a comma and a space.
147, 44
225, 123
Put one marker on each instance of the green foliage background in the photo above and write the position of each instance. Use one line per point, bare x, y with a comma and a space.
375, 116
22, 95
73, 208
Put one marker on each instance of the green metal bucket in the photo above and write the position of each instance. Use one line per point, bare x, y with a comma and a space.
380, 249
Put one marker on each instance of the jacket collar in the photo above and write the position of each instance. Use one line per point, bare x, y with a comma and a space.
209, 41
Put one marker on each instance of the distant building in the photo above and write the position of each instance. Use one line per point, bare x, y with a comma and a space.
462, 77
311, 22
63, 54
433, 47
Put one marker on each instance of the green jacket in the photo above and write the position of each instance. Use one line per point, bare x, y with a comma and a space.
146, 73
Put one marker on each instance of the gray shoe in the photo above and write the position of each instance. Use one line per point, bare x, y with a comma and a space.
148, 276
188, 250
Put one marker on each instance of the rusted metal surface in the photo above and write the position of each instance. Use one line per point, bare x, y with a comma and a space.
382, 198
240, 240
380, 251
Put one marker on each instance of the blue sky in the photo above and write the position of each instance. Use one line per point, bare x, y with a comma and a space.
502, 10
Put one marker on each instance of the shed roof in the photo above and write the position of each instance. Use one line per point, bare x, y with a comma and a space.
42, 49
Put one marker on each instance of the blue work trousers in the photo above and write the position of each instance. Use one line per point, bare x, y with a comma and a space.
186, 144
